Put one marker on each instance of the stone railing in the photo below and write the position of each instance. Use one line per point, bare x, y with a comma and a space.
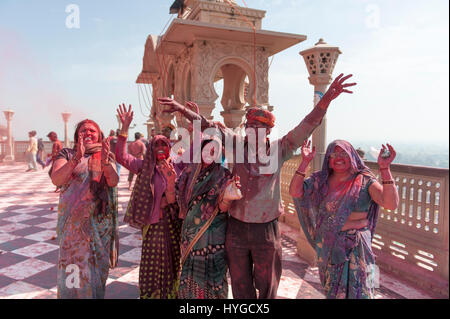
19, 149
21, 146
411, 242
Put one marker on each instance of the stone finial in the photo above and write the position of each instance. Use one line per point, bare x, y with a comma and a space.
321, 41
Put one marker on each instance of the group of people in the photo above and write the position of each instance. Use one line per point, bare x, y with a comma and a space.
200, 221
35, 152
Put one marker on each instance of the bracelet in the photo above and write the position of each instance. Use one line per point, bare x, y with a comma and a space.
300, 173
124, 135
387, 182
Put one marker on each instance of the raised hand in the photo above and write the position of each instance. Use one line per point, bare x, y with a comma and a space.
193, 106
338, 86
220, 124
307, 153
80, 147
168, 171
386, 156
171, 105
126, 117
106, 147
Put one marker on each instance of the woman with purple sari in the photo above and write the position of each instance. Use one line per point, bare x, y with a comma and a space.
338, 210
87, 225
153, 209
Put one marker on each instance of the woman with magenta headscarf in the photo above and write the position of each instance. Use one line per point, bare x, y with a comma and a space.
154, 210
338, 210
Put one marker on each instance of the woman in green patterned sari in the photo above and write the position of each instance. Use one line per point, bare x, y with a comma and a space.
205, 192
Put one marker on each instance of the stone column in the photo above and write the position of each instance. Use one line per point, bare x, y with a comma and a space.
319, 136
161, 119
233, 95
9, 147
66, 116
233, 118
320, 61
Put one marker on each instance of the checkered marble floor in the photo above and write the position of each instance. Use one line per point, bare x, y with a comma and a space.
29, 251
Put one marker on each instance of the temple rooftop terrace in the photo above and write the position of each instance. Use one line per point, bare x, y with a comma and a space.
28, 252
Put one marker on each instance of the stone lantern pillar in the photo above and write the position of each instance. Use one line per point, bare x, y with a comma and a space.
320, 61
9, 147
66, 116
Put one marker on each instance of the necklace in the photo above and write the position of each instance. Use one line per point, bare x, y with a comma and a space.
339, 192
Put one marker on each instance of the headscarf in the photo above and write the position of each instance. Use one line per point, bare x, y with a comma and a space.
142, 201
256, 114
105, 196
196, 182
316, 221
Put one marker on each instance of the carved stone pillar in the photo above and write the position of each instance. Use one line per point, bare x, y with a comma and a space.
233, 95
262, 78
162, 119
66, 116
319, 136
233, 118
204, 58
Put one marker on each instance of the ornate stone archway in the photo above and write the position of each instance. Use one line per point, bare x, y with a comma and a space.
213, 38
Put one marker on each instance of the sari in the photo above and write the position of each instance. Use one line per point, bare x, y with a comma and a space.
345, 258
204, 266
159, 221
87, 228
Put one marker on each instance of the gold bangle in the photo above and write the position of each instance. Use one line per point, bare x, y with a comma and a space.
387, 182
124, 135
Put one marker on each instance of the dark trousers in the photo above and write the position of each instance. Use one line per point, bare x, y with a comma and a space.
254, 258
38, 158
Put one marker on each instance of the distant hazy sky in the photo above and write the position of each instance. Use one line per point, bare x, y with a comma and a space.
397, 51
